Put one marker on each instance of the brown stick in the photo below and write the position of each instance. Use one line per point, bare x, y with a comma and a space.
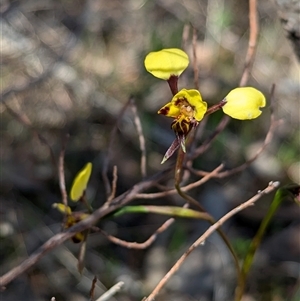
136, 245
23, 118
142, 141
109, 150
269, 137
114, 187
195, 59
207, 233
188, 187
87, 223
61, 172
254, 27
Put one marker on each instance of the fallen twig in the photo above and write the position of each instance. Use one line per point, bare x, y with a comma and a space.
206, 234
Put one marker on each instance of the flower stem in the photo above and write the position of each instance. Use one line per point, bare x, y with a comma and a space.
215, 107
281, 195
207, 217
178, 167
173, 84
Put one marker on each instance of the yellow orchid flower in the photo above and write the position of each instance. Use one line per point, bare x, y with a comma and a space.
244, 103
62, 208
187, 107
71, 219
166, 63
80, 182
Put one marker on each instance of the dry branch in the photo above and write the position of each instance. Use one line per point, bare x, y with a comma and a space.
269, 137
206, 234
142, 141
186, 188
254, 27
87, 223
110, 149
61, 172
136, 245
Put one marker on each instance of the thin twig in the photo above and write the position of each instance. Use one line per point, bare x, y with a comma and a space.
207, 233
136, 245
186, 188
59, 57
269, 137
193, 202
199, 128
23, 118
254, 27
61, 172
112, 291
185, 36
82, 252
138, 125
280, 197
110, 148
195, 59
92, 290
113, 185
211, 220
16, 90
207, 143
196, 136
87, 223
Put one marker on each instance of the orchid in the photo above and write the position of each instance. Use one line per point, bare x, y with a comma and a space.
187, 107
244, 103
77, 192
72, 218
166, 63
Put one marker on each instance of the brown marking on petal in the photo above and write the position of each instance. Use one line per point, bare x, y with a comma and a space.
77, 238
164, 111
178, 102
185, 126
71, 221
181, 126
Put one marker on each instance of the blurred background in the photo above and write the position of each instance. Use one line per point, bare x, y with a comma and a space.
68, 67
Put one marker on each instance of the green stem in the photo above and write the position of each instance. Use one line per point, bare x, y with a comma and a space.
164, 210
208, 218
280, 196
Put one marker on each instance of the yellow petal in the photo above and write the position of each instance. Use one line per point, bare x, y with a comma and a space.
194, 98
166, 62
80, 182
244, 103
71, 221
169, 110
78, 237
62, 208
